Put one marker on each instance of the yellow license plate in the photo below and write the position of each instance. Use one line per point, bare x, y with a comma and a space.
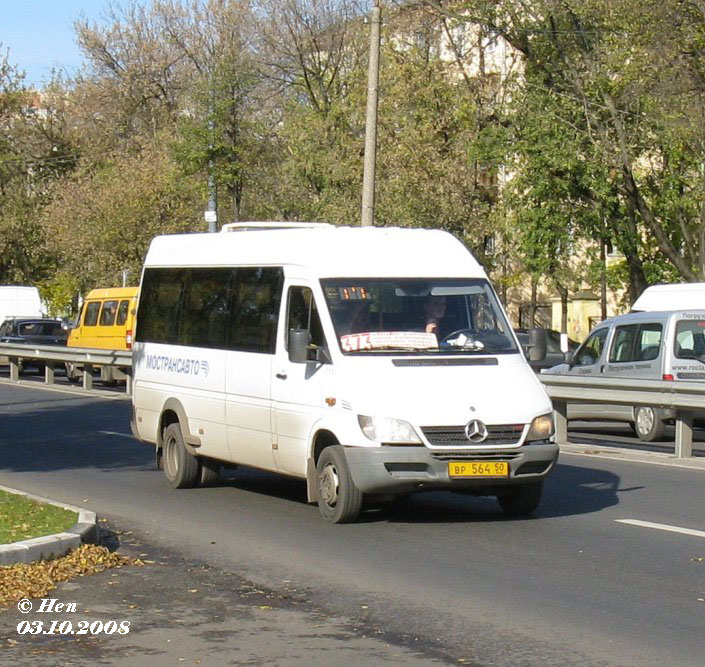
478, 469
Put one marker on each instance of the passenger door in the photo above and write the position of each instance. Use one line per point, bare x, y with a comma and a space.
635, 351
86, 333
252, 329
589, 359
298, 389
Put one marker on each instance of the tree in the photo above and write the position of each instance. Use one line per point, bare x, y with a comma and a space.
615, 60
101, 221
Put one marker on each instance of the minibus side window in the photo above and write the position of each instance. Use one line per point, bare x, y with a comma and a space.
158, 317
302, 313
205, 309
122, 313
91, 317
254, 309
107, 314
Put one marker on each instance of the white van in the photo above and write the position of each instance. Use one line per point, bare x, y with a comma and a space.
676, 296
20, 301
662, 345
370, 362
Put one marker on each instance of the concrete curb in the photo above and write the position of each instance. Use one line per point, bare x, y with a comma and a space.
84, 531
632, 455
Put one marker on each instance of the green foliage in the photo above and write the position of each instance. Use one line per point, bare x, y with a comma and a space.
102, 220
596, 136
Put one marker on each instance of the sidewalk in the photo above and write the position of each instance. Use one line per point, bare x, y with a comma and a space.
633, 455
176, 612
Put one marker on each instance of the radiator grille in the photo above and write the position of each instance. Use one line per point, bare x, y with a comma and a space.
475, 456
453, 436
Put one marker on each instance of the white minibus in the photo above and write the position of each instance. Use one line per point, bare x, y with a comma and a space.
370, 362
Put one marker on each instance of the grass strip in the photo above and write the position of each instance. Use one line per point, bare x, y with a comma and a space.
22, 518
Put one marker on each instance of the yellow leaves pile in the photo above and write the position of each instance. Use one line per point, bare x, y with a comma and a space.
36, 579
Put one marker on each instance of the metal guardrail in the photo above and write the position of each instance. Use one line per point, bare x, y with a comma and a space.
53, 355
683, 397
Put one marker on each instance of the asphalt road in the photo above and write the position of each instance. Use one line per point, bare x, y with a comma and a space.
445, 575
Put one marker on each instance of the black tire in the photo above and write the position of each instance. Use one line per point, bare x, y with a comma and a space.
181, 469
339, 500
521, 499
648, 426
210, 472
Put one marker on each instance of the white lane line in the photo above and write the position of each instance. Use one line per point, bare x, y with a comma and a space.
122, 435
663, 526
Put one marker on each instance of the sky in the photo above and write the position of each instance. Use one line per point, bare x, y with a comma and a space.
39, 34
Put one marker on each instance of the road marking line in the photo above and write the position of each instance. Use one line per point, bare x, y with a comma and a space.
122, 435
663, 526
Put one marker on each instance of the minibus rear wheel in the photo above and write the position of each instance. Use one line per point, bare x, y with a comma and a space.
339, 500
521, 499
181, 469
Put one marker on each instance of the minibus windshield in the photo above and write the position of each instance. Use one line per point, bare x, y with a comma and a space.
415, 315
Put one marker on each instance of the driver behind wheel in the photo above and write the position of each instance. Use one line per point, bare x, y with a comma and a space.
434, 309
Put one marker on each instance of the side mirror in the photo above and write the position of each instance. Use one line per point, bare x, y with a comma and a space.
299, 340
568, 357
538, 341
302, 350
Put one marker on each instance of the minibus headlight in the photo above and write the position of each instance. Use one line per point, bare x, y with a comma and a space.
541, 428
381, 429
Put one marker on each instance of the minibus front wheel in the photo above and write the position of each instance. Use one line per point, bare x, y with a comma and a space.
180, 468
339, 500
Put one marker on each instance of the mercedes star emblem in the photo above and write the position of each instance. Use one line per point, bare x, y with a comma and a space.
476, 431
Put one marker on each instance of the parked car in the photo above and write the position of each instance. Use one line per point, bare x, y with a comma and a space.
554, 354
33, 331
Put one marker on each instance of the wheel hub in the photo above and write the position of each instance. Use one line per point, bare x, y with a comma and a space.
170, 457
328, 483
645, 420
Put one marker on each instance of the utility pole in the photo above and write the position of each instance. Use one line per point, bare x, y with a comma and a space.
368, 178
211, 213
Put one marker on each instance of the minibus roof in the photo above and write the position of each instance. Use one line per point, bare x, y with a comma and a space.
112, 293
325, 250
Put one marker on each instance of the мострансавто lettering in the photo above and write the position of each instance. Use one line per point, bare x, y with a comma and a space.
173, 365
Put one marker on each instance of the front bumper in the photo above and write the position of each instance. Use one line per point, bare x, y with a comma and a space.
385, 469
